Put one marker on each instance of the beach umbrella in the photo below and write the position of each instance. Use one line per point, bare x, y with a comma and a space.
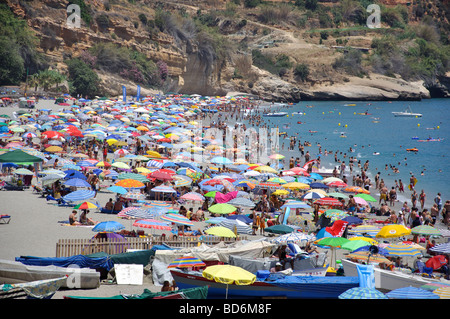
366, 255
134, 195
295, 185
337, 195
367, 239
117, 189
151, 223
108, 227
281, 192
71, 173
355, 244
336, 184
160, 176
215, 220
163, 189
362, 293
366, 197
77, 182
23, 171
393, 230
402, 250
221, 160
332, 241
242, 202
328, 201
236, 225
312, 195
121, 165
220, 231
353, 220
54, 149
186, 262
229, 274
294, 237
265, 169
356, 189
315, 176
79, 195
193, 196
319, 186
297, 171
177, 219
441, 248
138, 177
335, 214
361, 201
222, 208
425, 230
130, 183
279, 229
365, 229
411, 293
86, 205
443, 292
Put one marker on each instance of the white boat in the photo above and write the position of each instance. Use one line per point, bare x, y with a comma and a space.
276, 114
392, 279
13, 272
407, 113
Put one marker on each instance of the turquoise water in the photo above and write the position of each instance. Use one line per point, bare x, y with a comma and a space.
379, 132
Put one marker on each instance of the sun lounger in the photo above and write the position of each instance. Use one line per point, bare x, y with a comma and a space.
4, 219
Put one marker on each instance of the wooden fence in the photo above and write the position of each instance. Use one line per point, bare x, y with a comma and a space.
112, 246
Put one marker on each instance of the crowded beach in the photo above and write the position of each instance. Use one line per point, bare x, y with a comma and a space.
80, 163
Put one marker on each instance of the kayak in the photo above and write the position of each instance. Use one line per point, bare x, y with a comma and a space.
412, 149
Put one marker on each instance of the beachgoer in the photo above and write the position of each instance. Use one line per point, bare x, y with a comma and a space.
392, 196
278, 267
166, 286
422, 198
73, 218
85, 220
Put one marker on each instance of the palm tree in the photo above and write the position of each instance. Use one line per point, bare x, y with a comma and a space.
34, 81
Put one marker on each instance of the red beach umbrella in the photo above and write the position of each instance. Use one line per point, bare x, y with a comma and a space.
328, 201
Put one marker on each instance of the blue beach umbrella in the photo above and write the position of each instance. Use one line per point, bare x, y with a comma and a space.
77, 182
411, 293
108, 226
362, 293
117, 189
79, 195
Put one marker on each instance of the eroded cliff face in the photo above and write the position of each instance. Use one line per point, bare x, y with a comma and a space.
190, 73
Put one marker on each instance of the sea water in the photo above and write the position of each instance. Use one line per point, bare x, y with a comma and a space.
378, 137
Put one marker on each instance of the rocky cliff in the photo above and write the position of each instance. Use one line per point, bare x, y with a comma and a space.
192, 73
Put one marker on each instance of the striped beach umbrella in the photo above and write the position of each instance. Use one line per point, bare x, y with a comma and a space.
425, 230
79, 195
443, 292
163, 189
411, 293
193, 196
177, 219
108, 227
186, 262
362, 293
441, 248
135, 212
370, 230
294, 237
151, 223
236, 225
402, 250
86, 205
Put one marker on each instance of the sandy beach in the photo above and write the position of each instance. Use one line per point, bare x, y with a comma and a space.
37, 224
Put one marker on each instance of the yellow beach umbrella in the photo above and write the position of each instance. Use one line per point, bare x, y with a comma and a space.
229, 274
111, 141
153, 154
393, 231
121, 165
265, 169
220, 232
295, 185
142, 128
443, 292
54, 149
369, 240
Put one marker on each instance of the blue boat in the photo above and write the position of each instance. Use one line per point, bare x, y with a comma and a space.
290, 287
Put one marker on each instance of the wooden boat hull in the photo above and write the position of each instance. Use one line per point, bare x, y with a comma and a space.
305, 287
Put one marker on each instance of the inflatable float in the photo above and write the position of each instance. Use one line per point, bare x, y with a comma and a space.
412, 149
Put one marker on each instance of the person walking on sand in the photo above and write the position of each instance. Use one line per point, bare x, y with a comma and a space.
422, 198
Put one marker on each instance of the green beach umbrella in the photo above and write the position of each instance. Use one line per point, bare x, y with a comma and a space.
279, 229
366, 197
211, 194
425, 230
355, 244
223, 208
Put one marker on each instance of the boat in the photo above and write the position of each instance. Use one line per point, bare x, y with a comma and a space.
277, 287
276, 114
14, 272
431, 140
189, 293
407, 113
40, 289
391, 279
415, 149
